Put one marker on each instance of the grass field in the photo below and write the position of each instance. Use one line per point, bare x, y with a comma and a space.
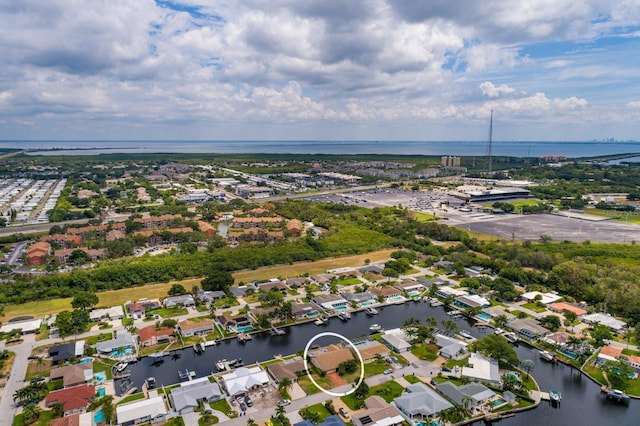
631, 217
316, 267
118, 297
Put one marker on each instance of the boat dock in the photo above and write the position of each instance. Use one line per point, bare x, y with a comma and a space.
615, 395
186, 374
274, 331
545, 396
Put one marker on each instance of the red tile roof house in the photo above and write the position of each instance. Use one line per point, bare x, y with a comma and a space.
150, 336
386, 292
37, 253
73, 400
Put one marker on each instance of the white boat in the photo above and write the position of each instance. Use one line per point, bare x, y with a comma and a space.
547, 356
435, 303
244, 337
211, 342
466, 335
371, 311
375, 328
454, 313
221, 365
121, 366
511, 337
199, 347
555, 395
344, 316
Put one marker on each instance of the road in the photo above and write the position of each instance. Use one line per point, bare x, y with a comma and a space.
36, 228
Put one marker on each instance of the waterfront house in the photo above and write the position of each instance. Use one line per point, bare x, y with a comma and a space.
73, 375
112, 313
614, 353
244, 379
528, 327
330, 301
153, 410
187, 397
469, 395
397, 340
195, 328
288, 369
482, 368
184, 300
329, 358
421, 402
233, 323
378, 412
73, 400
387, 293
66, 351
363, 297
301, 311
123, 344
370, 349
446, 291
78, 419
150, 336
428, 283
471, 301
410, 286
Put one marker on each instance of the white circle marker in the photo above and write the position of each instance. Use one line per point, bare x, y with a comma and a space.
306, 366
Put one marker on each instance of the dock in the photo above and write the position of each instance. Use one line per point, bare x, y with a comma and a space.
186, 374
274, 331
545, 396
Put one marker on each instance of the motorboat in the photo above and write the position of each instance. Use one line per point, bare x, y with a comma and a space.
199, 348
344, 316
435, 303
466, 335
121, 366
375, 328
547, 356
511, 337
555, 395
222, 365
371, 311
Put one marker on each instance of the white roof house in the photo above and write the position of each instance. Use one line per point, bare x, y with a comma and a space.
114, 312
604, 319
243, 379
397, 340
446, 291
27, 326
152, 409
546, 298
482, 368
421, 401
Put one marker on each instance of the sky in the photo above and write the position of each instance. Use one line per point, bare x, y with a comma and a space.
320, 69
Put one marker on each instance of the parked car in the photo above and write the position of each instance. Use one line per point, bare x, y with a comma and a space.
344, 413
243, 407
388, 371
393, 359
445, 368
284, 402
248, 401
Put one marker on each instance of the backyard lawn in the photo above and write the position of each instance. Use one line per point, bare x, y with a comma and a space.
388, 391
425, 351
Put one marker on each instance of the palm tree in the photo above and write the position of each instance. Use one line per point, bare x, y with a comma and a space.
500, 321
449, 325
574, 341
527, 365
251, 422
284, 385
30, 413
431, 322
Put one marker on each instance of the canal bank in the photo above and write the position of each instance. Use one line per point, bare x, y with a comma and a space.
581, 402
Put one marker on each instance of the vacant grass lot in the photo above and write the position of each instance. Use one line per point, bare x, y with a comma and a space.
630, 217
119, 297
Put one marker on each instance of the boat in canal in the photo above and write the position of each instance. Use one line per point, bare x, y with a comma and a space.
375, 328
344, 316
199, 348
121, 366
511, 337
274, 331
547, 356
371, 311
616, 395
555, 395
244, 337
466, 335
435, 303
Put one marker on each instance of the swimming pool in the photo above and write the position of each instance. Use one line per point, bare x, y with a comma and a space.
340, 308
497, 402
85, 360
367, 303
100, 377
397, 298
483, 316
98, 417
569, 355
101, 392
121, 352
244, 329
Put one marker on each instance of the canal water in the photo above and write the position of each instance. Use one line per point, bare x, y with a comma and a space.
582, 403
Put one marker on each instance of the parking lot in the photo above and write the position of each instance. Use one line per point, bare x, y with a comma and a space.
559, 228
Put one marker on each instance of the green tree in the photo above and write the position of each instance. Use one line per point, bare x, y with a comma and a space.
177, 290
84, 300
600, 333
527, 365
217, 281
78, 257
551, 322
500, 321
31, 413
361, 391
496, 347
618, 373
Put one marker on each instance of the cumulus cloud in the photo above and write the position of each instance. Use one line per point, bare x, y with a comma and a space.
305, 63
